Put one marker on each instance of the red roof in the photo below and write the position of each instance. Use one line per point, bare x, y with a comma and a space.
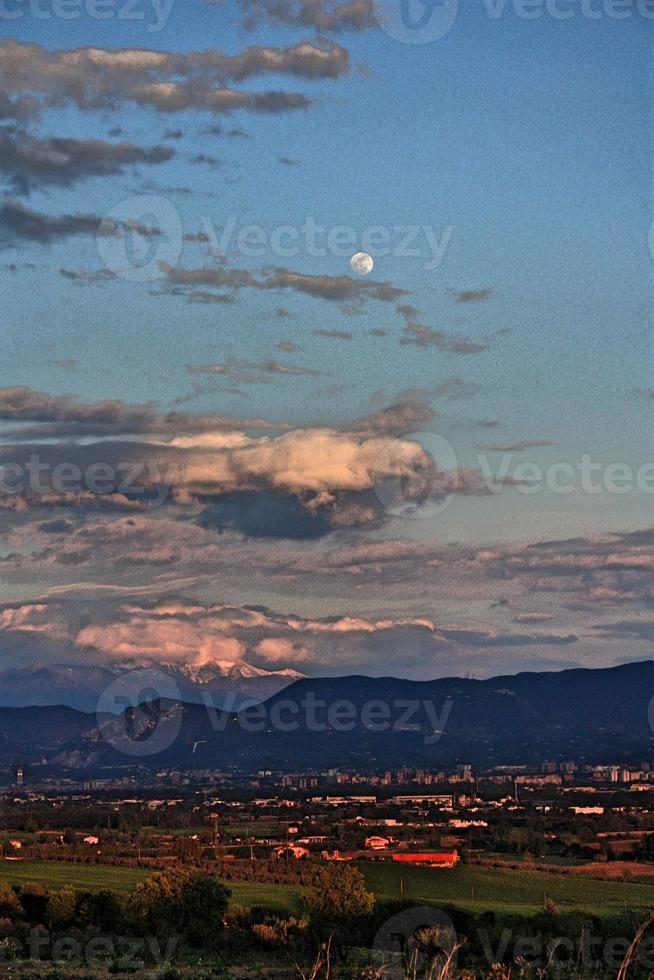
434, 857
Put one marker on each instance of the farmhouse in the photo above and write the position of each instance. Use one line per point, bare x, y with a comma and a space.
434, 859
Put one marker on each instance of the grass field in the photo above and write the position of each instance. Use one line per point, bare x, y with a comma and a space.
482, 889
469, 887
56, 874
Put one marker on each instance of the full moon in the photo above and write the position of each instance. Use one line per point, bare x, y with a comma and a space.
362, 263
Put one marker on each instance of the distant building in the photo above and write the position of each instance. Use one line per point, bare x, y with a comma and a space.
293, 850
377, 843
434, 859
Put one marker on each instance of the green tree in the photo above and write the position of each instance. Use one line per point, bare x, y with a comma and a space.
62, 906
181, 903
339, 895
10, 907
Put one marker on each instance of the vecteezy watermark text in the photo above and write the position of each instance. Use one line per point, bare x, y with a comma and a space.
342, 715
425, 21
135, 479
153, 13
138, 714
316, 240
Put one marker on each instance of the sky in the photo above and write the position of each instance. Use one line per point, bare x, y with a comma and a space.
219, 442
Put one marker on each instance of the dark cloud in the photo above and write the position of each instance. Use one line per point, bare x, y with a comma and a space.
288, 161
22, 109
334, 288
201, 296
423, 336
513, 447
86, 277
30, 162
335, 334
65, 415
18, 223
331, 288
207, 160
323, 15
266, 515
241, 369
473, 295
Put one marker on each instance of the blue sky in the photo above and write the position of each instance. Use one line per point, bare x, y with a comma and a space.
522, 144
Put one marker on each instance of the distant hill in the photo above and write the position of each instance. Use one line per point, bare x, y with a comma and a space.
586, 715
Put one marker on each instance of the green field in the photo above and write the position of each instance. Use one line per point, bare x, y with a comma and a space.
56, 874
469, 887
482, 889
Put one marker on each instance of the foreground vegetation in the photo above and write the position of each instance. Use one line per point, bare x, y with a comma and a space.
343, 923
475, 889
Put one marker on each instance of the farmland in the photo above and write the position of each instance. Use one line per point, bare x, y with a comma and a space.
468, 887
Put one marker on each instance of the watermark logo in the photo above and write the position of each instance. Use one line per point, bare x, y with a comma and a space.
140, 713
139, 236
420, 941
416, 483
416, 21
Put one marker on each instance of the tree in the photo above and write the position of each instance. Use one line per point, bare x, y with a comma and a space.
10, 907
339, 895
187, 904
62, 906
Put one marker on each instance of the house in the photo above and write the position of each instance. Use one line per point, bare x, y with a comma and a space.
434, 859
377, 843
293, 850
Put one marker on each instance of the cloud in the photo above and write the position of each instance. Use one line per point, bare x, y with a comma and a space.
98, 78
513, 447
334, 334
332, 288
21, 110
58, 416
258, 484
473, 295
175, 631
19, 223
423, 336
30, 162
335, 288
241, 369
323, 15
88, 277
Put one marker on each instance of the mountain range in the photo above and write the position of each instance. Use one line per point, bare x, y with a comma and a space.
364, 723
81, 686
